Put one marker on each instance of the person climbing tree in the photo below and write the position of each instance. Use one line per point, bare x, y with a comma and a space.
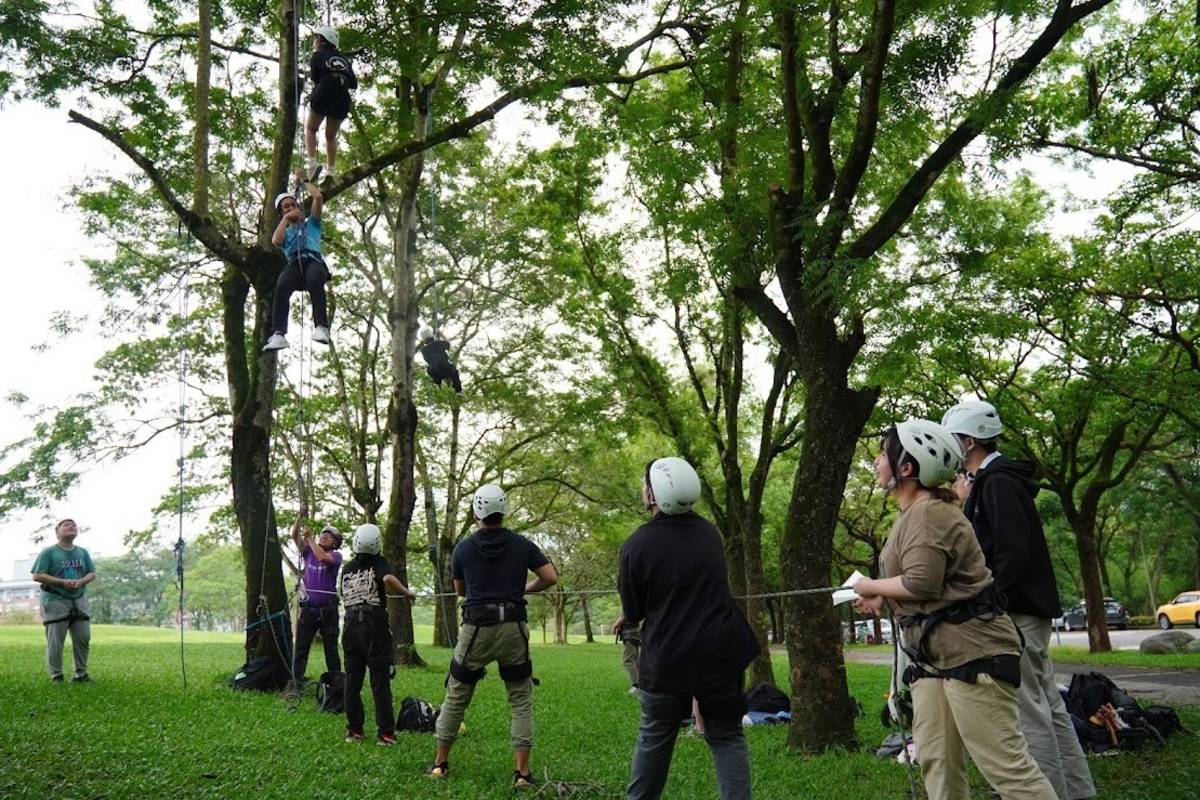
436, 351
333, 79
300, 238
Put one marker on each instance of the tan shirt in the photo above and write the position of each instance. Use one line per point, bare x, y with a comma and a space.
932, 548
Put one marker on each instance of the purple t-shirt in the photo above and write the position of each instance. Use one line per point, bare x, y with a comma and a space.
320, 579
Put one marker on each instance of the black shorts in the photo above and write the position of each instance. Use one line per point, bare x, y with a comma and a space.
330, 100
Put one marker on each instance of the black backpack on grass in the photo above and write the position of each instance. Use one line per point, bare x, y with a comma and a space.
260, 674
416, 716
768, 698
331, 692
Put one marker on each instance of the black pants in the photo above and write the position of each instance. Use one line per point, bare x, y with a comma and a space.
308, 272
444, 372
323, 618
368, 645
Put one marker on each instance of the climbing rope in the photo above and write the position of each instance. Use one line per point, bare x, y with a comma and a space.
180, 420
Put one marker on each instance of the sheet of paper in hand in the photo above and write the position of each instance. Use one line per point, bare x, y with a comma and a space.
847, 594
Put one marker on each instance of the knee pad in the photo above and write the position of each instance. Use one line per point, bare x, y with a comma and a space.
463, 675
516, 672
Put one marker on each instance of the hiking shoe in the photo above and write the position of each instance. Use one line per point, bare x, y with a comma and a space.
522, 781
439, 770
353, 735
56, 679
386, 739
277, 342
84, 678
321, 334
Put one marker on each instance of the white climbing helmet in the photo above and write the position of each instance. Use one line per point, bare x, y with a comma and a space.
368, 539
328, 33
489, 499
279, 198
974, 418
935, 449
675, 484
425, 333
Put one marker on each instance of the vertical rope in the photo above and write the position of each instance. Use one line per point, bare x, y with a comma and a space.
183, 304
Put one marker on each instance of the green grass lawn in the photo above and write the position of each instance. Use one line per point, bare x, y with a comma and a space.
1125, 658
136, 733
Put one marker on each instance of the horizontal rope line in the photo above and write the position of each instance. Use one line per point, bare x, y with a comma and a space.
586, 592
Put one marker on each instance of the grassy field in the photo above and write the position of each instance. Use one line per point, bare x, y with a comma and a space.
136, 733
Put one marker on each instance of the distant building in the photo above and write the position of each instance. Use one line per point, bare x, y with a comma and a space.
20, 593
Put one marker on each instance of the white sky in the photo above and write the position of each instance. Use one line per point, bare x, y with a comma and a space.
44, 155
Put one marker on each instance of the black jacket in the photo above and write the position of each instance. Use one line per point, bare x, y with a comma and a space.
1010, 534
673, 576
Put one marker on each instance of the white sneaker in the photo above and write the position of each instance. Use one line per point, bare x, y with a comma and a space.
321, 335
327, 173
311, 168
277, 342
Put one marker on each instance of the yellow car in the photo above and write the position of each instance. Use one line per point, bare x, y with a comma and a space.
1183, 610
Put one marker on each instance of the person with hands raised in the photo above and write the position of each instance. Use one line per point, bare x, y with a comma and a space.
320, 561
299, 237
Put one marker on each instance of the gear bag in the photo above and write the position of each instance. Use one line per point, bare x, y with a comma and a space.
416, 716
331, 692
260, 674
768, 698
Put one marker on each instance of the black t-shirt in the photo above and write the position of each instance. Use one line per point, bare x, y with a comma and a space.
673, 576
362, 581
329, 68
494, 564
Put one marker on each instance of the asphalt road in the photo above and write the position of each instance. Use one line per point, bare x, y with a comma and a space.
1121, 640
1174, 687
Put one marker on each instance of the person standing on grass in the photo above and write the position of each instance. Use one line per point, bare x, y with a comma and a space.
490, 570
320, 560
964, 649
367, 640
999, 502
695, 641
64, 571
630, 637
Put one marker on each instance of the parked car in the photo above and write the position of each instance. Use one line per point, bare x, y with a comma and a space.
1115, 614
864, 631
1183, 609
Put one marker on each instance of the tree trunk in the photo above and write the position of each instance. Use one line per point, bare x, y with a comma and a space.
587, 620
761, 670
822, 712
402, 417
1089, 568
252, 399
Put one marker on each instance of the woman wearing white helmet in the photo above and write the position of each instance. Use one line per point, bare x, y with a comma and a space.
299, 237
963, 647
367, 640
333, 80
695, 641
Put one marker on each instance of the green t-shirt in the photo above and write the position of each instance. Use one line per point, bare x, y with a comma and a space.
70, 564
